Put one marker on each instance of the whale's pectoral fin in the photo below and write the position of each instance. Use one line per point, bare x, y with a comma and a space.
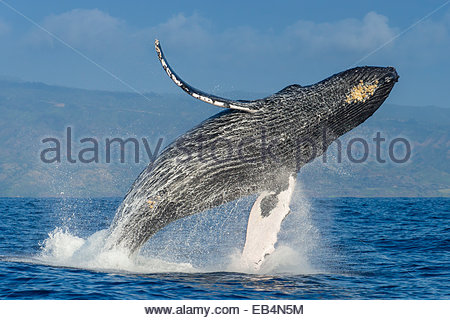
264, 223
198, 94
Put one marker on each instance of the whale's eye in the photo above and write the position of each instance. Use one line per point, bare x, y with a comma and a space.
361, 92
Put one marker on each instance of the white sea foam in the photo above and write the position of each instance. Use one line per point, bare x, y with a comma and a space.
64, 249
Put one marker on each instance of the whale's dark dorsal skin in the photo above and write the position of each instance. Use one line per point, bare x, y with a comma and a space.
253, 148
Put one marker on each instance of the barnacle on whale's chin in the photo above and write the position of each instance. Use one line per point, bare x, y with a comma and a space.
361, 92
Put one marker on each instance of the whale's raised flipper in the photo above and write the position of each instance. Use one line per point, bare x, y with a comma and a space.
198, 94
264, 223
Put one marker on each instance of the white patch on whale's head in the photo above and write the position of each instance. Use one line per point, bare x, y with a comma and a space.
361, 92
367, 84
350, 97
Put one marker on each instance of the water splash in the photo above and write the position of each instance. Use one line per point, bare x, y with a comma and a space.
64, 249
211, 241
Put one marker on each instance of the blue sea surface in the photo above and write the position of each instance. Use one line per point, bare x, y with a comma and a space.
342, 248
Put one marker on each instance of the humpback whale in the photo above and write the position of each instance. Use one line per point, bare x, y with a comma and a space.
252, 148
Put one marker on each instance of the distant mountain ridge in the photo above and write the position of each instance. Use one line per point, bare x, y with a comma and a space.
33, 111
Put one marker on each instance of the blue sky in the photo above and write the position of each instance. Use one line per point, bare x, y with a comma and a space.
257, 47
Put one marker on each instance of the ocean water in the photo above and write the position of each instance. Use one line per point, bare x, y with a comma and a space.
342, 248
